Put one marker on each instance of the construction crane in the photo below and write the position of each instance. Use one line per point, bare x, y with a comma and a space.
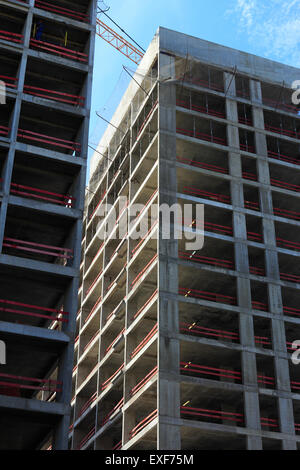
132, 52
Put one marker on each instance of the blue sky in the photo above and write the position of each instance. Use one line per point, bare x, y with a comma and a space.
270, 28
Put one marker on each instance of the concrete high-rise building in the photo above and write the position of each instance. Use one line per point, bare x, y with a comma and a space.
46, 65
191, 349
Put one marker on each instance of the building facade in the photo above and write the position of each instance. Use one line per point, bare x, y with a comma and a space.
47, 53
192, 349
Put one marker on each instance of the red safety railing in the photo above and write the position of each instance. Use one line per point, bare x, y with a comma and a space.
244, 120
91, 340
75, 15
279, 130
46, 139
114, 341
205, 166
288, 244
4, 131
94, 282
247, 148
141, 310
146, 206
10, 82
211, 296
55, 198
192, 256
143, 271
62, 51
284, 158
243, 94
115, 410
118, 446
96, 304
27, 310
143, 238
290, 108
202, 136
289, 277
8, 36
291, 311
75, 100
38, 248
287, 213
15, 383
145, 341
200, 109
111, 378
202, 83
88, 403
146, 120
87, 437
142, 424
143, 382
98, 204
285, 185
207, 194
254, 206
188, 411
193, 328
188, 367
249, 176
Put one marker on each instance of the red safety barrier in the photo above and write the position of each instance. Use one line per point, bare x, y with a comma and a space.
145, 341
46, 139
94, 282
214, 414
87, 437
140, 311
48, 196
288, 244
286, 213
146, 119
33, 311
246, 121
62, 51
256, 305
9, 382
143, 271
204, 370
4, 131
284, 106
224, 229
243, 93
247, 148
143, 238
10, 82
206, 166
98, 204
202, 136
90, 401
249, 176
207, 195
201, 109
255, 236
201, 330
8, 36
291, 311
211, 296
148, 203
273, 423
289, 277
257, 270
283, 184
110, 379
278, 130
91, 340
285, 158
115, 409
118, 446
143, 382
254, 206
98, 301
187, 255
142, 424
67, 98
202, 83
64, 253
75, 15
114, 341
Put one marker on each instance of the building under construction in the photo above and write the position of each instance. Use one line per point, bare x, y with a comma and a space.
181, 349
46, 56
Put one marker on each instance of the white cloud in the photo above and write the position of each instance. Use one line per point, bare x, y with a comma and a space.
273, 26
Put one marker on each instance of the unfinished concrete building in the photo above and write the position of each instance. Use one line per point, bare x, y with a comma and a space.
181, 349
46, 57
